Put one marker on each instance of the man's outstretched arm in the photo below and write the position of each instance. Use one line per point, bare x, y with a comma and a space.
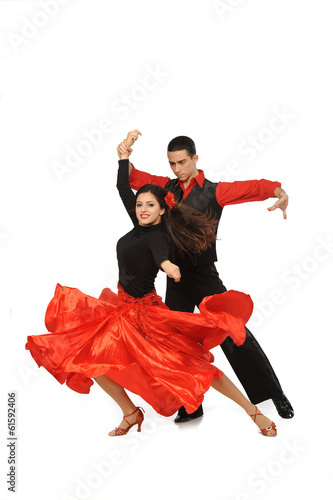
231, 193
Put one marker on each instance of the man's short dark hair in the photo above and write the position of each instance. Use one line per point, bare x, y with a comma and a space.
182, 142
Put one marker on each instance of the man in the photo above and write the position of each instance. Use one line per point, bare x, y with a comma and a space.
199, 276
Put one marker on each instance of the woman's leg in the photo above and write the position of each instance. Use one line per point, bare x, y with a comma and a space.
227, 388
119, 395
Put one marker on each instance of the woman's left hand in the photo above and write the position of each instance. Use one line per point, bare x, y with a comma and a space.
171, 270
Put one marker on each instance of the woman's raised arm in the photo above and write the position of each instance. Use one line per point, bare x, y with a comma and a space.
126, 194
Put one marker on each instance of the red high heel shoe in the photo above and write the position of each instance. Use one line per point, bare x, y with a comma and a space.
119, 431
266, 430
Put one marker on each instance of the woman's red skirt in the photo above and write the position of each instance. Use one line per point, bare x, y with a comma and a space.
159, 354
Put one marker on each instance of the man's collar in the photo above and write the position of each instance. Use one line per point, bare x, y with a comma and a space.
199, 179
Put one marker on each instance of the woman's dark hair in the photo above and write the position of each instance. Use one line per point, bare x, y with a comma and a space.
182, 142
190, 230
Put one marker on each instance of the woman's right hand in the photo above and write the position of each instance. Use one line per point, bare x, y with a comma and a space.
171, 270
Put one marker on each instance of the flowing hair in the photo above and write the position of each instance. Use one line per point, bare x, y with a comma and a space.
190, 230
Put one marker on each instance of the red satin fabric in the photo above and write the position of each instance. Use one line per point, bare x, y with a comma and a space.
161, 355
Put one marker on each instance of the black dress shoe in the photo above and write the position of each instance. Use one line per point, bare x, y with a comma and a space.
283, 406
183, 416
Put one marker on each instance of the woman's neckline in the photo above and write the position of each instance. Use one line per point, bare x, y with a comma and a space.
154, 227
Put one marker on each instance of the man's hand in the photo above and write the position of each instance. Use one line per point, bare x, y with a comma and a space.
282, 202
123, 151
132, 137
171, 270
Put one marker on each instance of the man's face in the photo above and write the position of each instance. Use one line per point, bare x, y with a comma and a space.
183, 166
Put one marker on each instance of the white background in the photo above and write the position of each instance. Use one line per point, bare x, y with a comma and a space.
222, 72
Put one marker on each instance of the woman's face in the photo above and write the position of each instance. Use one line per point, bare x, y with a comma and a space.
148, 210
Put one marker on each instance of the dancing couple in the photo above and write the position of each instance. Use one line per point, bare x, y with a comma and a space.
132, 340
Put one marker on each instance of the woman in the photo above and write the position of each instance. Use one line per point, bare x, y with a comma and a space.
131, 339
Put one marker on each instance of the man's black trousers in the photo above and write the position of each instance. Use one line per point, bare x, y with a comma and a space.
248, 361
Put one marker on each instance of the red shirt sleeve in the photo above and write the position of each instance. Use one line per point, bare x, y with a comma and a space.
138, 179
231, 193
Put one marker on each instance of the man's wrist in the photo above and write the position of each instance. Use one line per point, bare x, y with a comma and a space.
279, 192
